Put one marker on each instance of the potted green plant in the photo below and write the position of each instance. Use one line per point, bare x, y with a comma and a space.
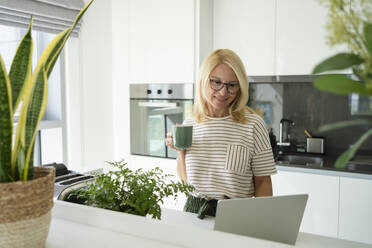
350, 23
136, 192
26, 193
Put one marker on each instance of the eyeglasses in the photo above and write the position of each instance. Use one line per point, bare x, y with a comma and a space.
217, 85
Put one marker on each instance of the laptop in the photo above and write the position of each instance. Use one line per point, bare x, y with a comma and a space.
276, 218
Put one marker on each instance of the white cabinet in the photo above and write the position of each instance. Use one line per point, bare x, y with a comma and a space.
300, 36
321, 213
339, 207
273, 37
248, 28
161, 41
356, 209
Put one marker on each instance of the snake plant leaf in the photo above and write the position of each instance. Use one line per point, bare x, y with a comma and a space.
20, 70
342, 124
22, 135
347, 155
52, 52
368, 37
19, 74
6, 124
338, 62
34, 102
19, 140
35, 112
20, 163
28, 171
340, 84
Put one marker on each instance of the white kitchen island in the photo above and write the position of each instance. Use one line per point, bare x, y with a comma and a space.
76, 225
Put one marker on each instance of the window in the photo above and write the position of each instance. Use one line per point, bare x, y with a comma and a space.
50, 143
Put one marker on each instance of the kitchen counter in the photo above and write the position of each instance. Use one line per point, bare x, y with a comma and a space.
75, 225
322, 171
327, 168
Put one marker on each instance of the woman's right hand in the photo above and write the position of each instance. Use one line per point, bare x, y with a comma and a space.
169, 142
181, 167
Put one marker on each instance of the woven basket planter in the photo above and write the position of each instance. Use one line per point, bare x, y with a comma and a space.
25, 210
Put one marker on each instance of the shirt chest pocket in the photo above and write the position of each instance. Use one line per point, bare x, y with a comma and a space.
237, 158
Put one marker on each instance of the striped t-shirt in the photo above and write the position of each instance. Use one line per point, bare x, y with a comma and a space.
226, 155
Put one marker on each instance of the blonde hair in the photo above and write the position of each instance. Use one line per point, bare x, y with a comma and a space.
238, 106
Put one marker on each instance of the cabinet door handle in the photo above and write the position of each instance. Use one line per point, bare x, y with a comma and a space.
158, 104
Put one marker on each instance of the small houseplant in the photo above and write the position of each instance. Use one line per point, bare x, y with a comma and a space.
26, 193
136, 192
350, 23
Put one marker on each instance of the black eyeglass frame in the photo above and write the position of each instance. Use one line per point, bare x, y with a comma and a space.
228, 85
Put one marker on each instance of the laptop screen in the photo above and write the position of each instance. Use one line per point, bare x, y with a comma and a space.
276, 218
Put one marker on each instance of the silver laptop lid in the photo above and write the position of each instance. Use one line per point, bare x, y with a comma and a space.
276, 218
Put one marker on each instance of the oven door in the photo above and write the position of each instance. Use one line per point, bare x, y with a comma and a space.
150, 120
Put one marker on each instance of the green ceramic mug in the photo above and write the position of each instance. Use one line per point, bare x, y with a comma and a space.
182, 136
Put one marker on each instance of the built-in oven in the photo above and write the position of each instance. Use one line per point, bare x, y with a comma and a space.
154, 110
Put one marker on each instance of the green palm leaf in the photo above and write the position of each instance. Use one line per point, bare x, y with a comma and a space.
346, 156
20, 70
6, 124
338, 62
342, 124
340, 84
368, 36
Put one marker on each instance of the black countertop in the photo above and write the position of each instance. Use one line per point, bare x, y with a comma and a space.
360, 164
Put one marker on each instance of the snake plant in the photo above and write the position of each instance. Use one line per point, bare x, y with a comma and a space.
25, 90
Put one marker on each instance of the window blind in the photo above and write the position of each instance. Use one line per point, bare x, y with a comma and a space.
51, 16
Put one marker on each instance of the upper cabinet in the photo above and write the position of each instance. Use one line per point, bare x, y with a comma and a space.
161, 41
248, 28
300, 36
273, 37
169, 38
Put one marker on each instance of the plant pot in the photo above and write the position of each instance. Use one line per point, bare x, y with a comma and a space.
25, 210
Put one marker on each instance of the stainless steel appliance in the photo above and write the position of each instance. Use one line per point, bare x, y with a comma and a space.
154, 110
315, 145
67, 180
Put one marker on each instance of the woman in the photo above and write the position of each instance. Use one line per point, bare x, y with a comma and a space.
230, 156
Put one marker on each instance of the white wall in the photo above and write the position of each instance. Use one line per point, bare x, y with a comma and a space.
120, 89
97, 89
73, 107
120, 94
120, 78
89, 90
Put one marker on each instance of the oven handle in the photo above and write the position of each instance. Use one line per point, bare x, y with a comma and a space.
158, 104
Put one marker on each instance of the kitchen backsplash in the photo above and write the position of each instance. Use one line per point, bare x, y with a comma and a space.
310, 108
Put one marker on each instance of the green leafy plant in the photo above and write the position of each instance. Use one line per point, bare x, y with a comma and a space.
28, 91
136, 192
350, 23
